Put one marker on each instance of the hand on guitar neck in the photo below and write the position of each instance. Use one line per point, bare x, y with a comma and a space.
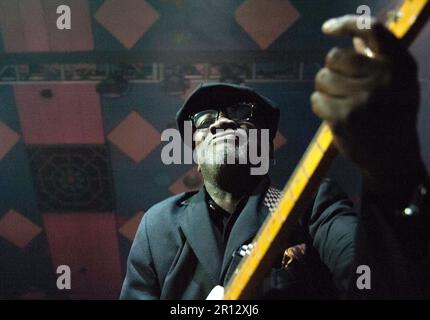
369, 97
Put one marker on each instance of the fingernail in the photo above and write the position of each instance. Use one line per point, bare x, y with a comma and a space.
330, 25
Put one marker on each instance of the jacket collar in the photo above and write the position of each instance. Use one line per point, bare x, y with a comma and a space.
248, 223
198, 230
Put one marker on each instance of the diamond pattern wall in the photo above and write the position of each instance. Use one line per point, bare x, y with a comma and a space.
279, 141
135, 137
8, 138
191, 180
127, 20
17, 229
266, 20
129, 228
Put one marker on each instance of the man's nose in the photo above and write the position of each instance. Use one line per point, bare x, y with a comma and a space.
224, 124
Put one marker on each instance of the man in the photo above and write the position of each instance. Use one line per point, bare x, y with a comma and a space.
190, 243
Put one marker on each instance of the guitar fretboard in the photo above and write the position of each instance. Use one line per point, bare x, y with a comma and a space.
295, 195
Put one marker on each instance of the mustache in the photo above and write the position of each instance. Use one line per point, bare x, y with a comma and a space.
239, 134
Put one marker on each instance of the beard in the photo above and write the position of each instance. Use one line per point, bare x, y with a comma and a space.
222, 153
224, 164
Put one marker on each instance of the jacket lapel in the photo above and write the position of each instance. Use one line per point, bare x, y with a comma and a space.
247, 224
198, 230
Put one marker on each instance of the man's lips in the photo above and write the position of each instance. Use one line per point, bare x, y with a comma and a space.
229, 135
224, 136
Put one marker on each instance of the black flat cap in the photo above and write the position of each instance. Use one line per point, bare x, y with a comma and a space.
219, 95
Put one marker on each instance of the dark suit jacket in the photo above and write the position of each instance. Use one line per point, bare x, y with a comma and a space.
175, 254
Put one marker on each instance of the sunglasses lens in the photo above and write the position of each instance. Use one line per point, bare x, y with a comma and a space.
205, 118
237, 112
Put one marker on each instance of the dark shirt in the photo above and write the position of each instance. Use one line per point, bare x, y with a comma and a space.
223, 220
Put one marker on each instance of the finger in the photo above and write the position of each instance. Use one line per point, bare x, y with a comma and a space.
377, 38
360, 46
349, 63
337, 85
329, 108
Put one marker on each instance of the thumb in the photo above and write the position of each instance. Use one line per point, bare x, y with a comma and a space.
378, 38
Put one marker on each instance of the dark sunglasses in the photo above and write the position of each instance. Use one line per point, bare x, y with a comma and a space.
238, 112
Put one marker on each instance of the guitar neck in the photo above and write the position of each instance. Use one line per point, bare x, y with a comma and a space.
305, 179
296, 195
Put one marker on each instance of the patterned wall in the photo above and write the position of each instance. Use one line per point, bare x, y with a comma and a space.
78, 171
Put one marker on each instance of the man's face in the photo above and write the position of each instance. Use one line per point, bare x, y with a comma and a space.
224, 142
223, 138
